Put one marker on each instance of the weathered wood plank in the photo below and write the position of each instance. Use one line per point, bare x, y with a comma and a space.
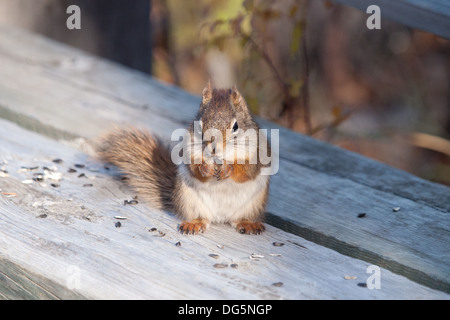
317, 193
76, 240
17, 284
428, 15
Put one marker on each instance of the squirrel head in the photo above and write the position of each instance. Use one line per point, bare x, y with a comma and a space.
224, 113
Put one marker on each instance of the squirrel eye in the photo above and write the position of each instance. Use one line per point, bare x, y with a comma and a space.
235, 127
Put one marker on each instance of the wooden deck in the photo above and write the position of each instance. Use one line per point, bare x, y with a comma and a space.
59, 237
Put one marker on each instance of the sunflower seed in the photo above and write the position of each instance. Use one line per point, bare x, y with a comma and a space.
221, 265
278, 244
362, 284
213, 255
256, 256
160, 234
277, 284
9, 194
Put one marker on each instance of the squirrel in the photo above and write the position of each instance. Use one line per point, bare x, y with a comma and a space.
218, 185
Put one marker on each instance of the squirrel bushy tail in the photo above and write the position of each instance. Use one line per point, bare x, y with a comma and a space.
145, 161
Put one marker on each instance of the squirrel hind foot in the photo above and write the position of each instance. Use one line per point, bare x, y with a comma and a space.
247, 227
195, 226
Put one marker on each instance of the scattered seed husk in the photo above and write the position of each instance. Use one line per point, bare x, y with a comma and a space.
4, 174
71, 170
42, 216
256, 256
54, 185
220, 265
349, 277
28, 181
57, 160
277, 284
396, 209
278, 244
88, 185
152, 229
361, 215
160, 234
81, 175
220, 246
362, 284
130, 202
9, 194
178, 244
79, 166
213, 255
234, 265
120, 217
275, 254
38, 176
118, 224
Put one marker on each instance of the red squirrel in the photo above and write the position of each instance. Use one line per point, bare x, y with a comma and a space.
205, 190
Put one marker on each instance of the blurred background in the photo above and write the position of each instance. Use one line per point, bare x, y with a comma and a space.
312, 66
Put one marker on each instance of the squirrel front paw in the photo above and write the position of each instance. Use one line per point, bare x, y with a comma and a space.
206, 170
224, 171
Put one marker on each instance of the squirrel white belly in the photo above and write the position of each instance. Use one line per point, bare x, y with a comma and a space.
223, 184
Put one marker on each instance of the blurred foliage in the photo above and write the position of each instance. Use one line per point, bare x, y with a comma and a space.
313, 66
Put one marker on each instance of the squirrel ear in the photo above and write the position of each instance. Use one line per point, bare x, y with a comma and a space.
237, 99
207, 93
